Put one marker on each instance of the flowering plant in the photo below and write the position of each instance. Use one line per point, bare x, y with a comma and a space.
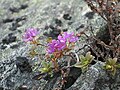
30, 34
55, 48
100, 47
62, 45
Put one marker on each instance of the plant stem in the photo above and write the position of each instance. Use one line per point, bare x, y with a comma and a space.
41, 44
55, 64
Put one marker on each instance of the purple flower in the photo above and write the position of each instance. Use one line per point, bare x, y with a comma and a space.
67, 37
55, 45
61, 43
30, 34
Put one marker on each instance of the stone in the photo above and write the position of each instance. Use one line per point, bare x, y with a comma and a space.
89, 15
96, 78
3, 47
23, 64
23, 6
58, 22
51, 17
9, 39
7, 20
14, 9
67, 17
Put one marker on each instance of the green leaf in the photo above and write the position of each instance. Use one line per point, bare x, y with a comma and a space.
82, 58
44, 64
113, 72
88, 55
43, 70
85, 61
111, 65
52, 56
79, 65
84, 69
47, 67
112, 61
108, 67
117, 65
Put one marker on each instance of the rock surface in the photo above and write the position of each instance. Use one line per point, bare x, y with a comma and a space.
50, 17
96, 78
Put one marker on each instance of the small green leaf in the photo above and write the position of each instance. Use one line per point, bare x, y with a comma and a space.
112, 61
85, 61
47, 67
79, 65
43, 70
44, 64
85, 68
88, 55
117, 65
52, 56
113, 72
82, 58
111, 65
108, 66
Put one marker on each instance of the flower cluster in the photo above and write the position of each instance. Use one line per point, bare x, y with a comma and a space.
30, 34
56, 45
67, 37
62, 42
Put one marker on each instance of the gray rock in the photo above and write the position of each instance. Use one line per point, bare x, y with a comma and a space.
12, 75
49, 16
96, 78
87, 80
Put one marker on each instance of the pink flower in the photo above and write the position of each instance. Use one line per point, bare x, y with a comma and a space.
55, 45
30, 34
61, 43
67, 37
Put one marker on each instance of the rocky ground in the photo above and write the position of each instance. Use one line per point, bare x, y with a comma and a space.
50, 17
